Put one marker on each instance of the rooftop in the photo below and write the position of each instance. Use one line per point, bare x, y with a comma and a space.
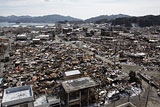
77, 84
17, 95
21, 35
41, 101
128, 104
73, 72
43, 35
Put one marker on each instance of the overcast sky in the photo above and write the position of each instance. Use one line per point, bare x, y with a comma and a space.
79, 8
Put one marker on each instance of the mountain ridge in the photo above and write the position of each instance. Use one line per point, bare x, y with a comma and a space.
143, 21
53, 18
37, 19
108, 17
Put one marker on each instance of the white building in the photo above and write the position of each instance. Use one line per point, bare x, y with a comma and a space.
21, 37
72, 74
35, 41
18, 97
43, 37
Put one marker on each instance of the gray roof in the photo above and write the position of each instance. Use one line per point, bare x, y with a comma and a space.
128, 104
77, 84
71, 73
17, 95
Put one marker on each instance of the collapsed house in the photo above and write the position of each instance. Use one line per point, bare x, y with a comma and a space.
49, 65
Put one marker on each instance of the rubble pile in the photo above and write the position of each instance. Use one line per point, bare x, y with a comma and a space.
43, 66
40, 56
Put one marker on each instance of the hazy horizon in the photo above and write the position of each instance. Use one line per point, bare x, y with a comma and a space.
82, 9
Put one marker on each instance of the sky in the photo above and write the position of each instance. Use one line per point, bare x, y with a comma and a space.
79, 8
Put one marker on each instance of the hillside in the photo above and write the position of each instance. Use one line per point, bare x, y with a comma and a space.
39, 19
143, 21
101, 17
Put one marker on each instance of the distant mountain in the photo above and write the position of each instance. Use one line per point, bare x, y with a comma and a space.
39, 19
143, 21
2, 19
101, 17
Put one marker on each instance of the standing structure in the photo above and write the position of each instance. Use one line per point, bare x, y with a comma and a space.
77, 91
18, 97
72, 74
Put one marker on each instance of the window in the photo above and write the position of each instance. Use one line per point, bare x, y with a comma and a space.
74, 95
23, 105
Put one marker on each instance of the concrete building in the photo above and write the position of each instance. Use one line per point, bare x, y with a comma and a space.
18, 97
128, 104
66, 30
36, 41
44, 101
77, 91
21, 37
72, 74
43, 37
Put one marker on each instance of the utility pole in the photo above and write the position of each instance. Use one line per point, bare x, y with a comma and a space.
115, 46
148, 93
129, 95
114, 104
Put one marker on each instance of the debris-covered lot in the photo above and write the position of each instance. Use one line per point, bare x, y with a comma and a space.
106, 65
